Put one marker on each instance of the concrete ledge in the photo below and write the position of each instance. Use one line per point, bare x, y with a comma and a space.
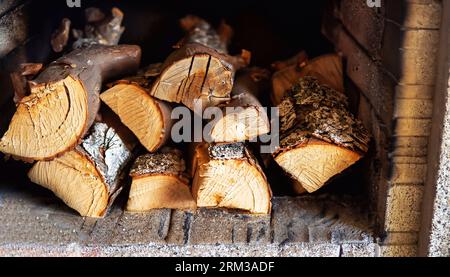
34, 223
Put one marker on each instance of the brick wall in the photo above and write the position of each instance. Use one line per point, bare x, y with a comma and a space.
391, 57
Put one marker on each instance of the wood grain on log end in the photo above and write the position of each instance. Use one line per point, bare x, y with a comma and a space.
320, 138
64, 101
230, 180
160, 181
148, 118
89, 177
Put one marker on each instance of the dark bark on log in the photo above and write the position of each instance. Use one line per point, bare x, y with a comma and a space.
64, 101
100, 29
319, 137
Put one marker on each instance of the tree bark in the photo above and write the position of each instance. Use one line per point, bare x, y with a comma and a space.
89, 177
319, 137
64, 101
160, 181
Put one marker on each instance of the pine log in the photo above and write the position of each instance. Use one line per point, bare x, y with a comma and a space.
147, 117
229, 176
160, 181
200, 69
327, 69
64, 101
89, 177
319, 138
243, 118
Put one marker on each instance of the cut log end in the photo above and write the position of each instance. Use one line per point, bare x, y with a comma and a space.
74, 179
198, 77
159, 181
159, 192
235, 183
312, 165
88, 177
49, 121
146, 117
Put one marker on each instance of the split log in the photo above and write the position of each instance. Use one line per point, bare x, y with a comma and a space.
200, 69
244, 118
64, 101
319, 137
89, 177
160, 181
228, 176
327, 69
148, 118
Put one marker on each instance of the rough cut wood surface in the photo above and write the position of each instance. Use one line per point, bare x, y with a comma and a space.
319, 137
160, 181
148, 118
64, 101
89, 177
244, 118
200, 69
228, 176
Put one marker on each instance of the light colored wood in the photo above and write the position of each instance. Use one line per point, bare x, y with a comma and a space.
160, 181
200, 76
148, 118
327, 69
89, 177
159, 192
48, 121
64, 101
244, 118
200, 69
319, 137
230, 180
315, 163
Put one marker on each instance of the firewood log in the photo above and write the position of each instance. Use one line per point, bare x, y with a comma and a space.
200, 69
160, 181
319, 138
99, 28
243, 118
327, 69
147, 117
64, 101
228, 176
89, 177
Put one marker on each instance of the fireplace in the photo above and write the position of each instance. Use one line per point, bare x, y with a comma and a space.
393, 202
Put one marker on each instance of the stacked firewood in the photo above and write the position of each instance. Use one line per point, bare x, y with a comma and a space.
83, 143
